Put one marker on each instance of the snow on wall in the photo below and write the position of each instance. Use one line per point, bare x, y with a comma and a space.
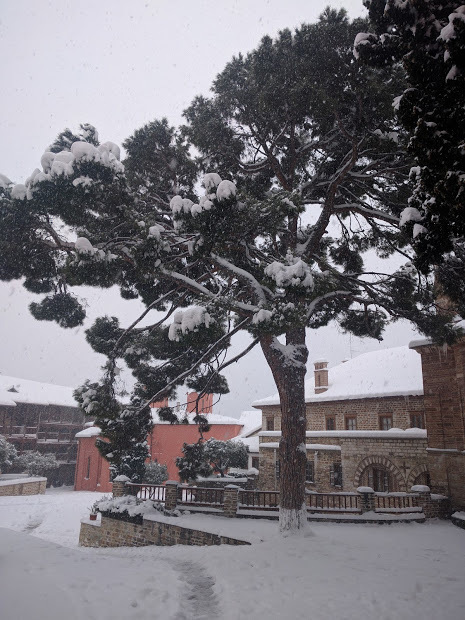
392, 433
378, 374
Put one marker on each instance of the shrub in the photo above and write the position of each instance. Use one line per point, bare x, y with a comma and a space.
36, 464
7, 453
155, 473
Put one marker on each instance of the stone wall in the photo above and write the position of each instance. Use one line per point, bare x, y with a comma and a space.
116, 533
366, 410
25, 486
447, 474
405, 458
444, 386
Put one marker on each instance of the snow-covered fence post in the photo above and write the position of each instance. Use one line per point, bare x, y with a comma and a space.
423, 493
119, 486
367, 499
171, 494
230, 498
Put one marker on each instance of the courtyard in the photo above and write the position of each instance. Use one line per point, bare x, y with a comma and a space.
338, 571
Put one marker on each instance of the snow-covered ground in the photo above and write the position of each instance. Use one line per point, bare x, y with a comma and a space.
339, 571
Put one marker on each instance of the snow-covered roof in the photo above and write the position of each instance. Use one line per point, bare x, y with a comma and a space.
14, 390
251, 422
213, 418
251, 442
90, 431
5, 400
388, 372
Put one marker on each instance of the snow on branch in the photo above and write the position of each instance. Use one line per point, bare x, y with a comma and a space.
241, 273
295, 273
185, 321
216, 346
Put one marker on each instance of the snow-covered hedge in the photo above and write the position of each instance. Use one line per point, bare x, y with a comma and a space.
130, 508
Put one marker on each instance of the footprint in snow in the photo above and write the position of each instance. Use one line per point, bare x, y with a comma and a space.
198, 601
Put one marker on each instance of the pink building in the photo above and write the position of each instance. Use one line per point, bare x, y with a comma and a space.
165, 443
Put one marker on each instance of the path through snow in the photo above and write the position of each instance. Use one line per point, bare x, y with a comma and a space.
198, 600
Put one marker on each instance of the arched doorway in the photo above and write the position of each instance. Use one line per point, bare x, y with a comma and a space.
379, 474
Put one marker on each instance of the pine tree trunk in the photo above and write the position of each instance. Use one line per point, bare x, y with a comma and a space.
289, 375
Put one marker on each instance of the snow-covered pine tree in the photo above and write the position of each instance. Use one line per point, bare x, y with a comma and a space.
428, 38
320, 176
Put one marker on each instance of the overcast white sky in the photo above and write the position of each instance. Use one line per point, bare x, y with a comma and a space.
118, 65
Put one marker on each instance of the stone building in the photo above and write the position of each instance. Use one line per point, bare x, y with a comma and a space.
443, 370
365, 425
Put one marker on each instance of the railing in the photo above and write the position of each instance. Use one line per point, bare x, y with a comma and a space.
21, 431
259, 500
55, 437
154, 492
200, 496
333, 502
269, 500
396, 502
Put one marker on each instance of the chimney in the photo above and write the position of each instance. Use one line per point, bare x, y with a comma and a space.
205, 404
321, 376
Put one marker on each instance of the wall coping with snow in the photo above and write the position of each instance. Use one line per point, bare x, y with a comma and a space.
308, 446
393, 433
23, 486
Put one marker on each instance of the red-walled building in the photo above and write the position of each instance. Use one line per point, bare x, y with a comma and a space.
165, 443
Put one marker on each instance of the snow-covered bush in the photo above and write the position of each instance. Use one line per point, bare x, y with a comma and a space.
224, 454
36, 464
155, 473
7, 453
129, 508
213, 456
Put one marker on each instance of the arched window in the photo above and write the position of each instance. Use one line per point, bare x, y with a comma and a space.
423, 479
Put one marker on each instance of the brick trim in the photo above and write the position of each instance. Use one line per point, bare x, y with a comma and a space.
383, 462
413, 475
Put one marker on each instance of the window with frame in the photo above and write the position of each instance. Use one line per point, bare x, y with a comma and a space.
335, 475
255, 462
379, 480
330, 423
310, 471
417, 420
351, 423
385, 422
270, 424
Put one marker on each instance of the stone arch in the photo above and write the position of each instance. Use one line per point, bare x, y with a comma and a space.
382, 462
415, 474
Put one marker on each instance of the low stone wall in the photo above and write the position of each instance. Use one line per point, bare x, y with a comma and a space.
23, 486
439, 508
458, 519
116, 533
